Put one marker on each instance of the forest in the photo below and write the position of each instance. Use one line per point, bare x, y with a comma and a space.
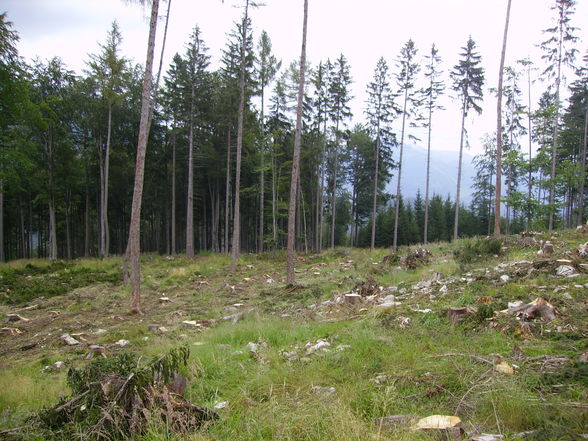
221, 146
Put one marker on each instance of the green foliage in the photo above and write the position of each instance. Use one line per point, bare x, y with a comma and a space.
474, 250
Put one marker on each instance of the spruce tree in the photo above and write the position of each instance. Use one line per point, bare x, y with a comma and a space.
468, 81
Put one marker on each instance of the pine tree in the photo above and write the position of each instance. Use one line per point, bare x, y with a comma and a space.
468, 81
380, 112
431, 94
406, 80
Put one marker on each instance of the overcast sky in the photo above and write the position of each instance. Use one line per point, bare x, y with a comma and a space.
363, 30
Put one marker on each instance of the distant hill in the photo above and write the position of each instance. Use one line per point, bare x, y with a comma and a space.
443, 179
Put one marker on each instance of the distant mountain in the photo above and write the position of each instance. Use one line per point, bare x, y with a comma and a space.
443, 178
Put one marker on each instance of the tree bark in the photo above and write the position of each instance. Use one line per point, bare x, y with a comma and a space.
498, 193
228, 193
190, 197
291, 254
134, 231
375, 202
235, 252
173, 197
2, 253
334, 189
397, 210
583, 173
105, 230
426, 226
458, 192
87, 221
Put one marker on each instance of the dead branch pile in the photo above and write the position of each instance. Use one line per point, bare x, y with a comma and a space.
417, 258
115, 398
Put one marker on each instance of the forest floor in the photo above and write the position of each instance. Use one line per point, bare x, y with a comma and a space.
361, 337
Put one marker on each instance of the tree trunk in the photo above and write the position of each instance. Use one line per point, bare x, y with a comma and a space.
530, 177
2, 253
190, 197
235, 252
583, 173
334, 189
173, 197
87, 221
458, 192
296, 158
105, 230
228, 193
426, 226
555, 132
397, 210
68, 223
498, 193
134, 231
375, 202
274, 201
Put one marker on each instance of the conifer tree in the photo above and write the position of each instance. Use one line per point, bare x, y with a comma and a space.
406, 80
380, 112
558, 53
431, 94
468, 81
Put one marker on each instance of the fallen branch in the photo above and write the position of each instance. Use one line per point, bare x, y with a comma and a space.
475, 357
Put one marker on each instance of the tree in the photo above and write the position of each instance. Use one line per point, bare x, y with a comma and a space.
267, 67
558, 53
8, 103
498, 131
296, 158
468, 81
406, 80
245, 25
380, 112
339, 111
134, 244
195, 65
431, 94
107, 70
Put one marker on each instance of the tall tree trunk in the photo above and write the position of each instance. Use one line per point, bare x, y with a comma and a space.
334, 189
261, 179
375, 201
458, 192
134, 246
2, 253
235, 252
87, 221
583, 173
190, 197
173, 196
498, 193
274, 202
52, 223
530, 172
397, 210
296, 158
228, 193
322, 189
555, 132
428, 178
105, 230
23, 243
68, 223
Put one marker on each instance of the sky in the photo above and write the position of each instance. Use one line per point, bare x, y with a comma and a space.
363, 30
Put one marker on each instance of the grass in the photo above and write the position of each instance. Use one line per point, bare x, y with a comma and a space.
271, 397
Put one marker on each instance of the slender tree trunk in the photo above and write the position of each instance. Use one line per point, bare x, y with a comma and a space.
190, 197
274, 201
23, 243
334, 189
68, 223
426, 227
262, 177
105, 230
397, 210
375, 201
322, 190
530, 177
134, 231
555, 133
228, 193
583, 173
235, 252
458, 192
499, 128
87, 221
173, 196
2, 253
296, 158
